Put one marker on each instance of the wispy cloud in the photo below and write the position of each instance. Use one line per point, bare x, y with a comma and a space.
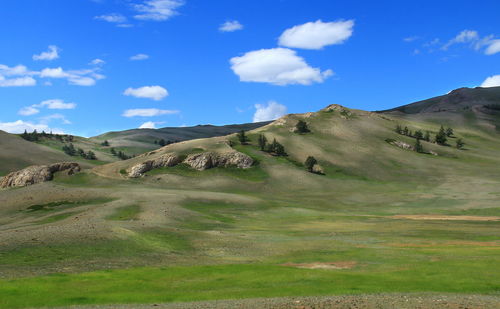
157, 10
156, 93
147, 112
139, 57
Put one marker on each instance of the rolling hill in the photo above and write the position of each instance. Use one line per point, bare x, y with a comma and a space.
380, 218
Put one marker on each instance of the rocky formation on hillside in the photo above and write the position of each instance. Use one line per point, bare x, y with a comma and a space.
37, 173
206, 160
166, 160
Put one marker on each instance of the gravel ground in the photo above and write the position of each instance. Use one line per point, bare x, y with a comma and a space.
395, 301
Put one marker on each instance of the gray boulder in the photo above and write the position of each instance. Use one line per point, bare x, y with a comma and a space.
166, 160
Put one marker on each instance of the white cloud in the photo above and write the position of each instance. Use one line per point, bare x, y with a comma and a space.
28, 111
466, 36
49, 118
19, 126
271, 111
278, 66
97, 62
56, 104
231, 26
147, 112
316, 35
157, 10
139, 57
51, 54
411, 39
150, 124
149, 92
493, 48
112, 18
74, 77
492, 81
17, 82
13, 71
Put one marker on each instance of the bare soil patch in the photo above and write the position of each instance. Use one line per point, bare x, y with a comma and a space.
444, 217
323, 265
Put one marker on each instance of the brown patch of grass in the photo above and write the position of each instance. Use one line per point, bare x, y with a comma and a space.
323, 265
444, 217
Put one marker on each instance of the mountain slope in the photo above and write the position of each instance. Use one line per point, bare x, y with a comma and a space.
137, 141
457, 100
16, 153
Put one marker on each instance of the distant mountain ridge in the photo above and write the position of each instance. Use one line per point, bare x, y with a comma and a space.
456, 100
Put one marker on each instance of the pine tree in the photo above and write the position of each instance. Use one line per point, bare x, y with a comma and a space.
310, 162
162, 142
460, 144
406, 131
301, 127
113, 151
105, 143
418, 146
242, 137
399, 129
441, 136
418, 134
90, 155
427, 136
262, 142
449, 132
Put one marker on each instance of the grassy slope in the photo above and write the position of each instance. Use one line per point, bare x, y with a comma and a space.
225, 234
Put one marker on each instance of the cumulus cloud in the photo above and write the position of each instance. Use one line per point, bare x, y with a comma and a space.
51, 54
74, 77
271, 111
19, 126
17, 82
50, 104
157, 10
492, 81
150, 124
139, 57
112, 18
56, 104
318, 34
147, 112
231, 26
278, 66
493, 48
149, 92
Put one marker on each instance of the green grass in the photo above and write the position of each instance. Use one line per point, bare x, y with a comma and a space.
61, 205
55, 218
148, 285
125, 213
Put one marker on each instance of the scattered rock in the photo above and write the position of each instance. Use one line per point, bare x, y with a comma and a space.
206, 160
344, 112
37, 173
166, 160
401, 144
318, 169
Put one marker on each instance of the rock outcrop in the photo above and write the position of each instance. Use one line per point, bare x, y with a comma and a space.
206, 160
166, 160
401, 144
37, 173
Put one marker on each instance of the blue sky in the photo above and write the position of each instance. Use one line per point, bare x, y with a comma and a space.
89, 66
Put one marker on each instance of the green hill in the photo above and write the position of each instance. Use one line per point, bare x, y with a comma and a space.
381, 218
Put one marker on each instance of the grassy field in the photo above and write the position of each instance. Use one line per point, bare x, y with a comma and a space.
381, 219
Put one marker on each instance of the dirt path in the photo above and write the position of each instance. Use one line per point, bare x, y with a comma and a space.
386, 301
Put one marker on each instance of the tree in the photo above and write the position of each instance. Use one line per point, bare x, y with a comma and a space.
162, 142
449, 132
81, 152
25, 135
441, 137
105, 143
427, 136
90, 155
406, 131
399, 129
262, 142
113, 151
69, 149
309, 163
418, 134
156, 142
242, 137
460, 144
418, 146
280, 150
301, 127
